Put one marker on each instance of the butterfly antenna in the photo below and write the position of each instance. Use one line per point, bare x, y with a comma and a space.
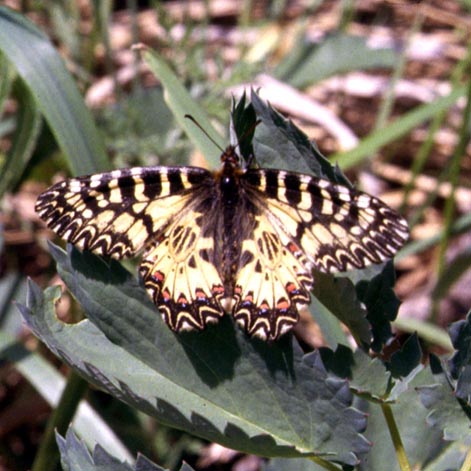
193, 120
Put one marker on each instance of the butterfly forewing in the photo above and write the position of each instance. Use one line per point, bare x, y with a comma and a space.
117, 213
336, 228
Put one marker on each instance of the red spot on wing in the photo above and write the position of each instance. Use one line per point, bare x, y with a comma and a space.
282, 304
290, 287
166, 294
293, 248
217, 290
200, 294
158, 276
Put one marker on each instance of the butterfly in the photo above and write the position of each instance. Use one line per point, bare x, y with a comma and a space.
238, 240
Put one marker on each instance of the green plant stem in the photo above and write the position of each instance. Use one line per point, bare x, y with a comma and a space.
396, 438
48, 453
387, 102
466, 466
455, 165
424, 151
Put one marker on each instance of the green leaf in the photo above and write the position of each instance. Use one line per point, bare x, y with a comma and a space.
339, 296
279, 143
370, 378
56, 95
460, 363
331, 329
447, 412
250, 396
74, 454
76, 457
405, 360
243, 123
337, 53
381, 302
448, 456
421, 441
28, 126
7, 75
181, 104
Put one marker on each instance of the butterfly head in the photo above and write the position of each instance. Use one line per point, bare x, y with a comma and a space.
230, 159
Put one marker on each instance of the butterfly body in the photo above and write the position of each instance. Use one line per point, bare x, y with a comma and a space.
240, 240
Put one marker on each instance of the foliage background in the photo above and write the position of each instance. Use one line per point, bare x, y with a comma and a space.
380, 86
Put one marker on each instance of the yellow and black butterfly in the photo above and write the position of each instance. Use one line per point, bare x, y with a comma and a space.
241, 240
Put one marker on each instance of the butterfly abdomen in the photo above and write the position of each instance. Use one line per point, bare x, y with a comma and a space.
229, 206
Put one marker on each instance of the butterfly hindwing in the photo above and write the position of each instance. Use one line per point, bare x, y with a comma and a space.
272, 278
117, 213
180, 272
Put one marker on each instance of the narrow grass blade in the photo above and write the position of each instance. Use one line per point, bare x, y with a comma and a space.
27, 129
56, 95
181, 103
396, 130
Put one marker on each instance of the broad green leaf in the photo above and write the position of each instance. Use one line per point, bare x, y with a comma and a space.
446, 411
278, 143
403, 361
337, 53
331, 329
381, 302
181, 104
56, 95
339, 296
370, 378
244, 394
460, 363
449, 457
76, 457
421, 442
243, 126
